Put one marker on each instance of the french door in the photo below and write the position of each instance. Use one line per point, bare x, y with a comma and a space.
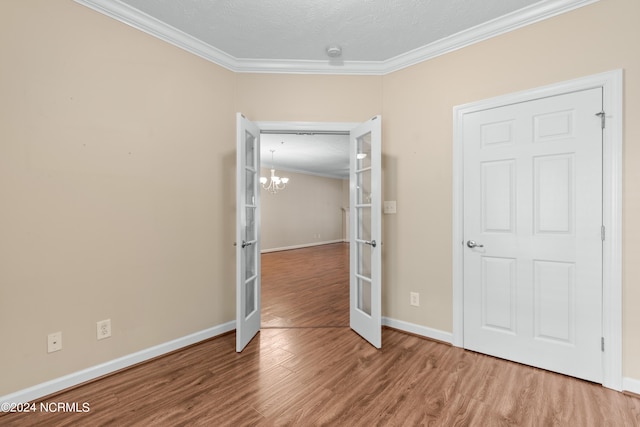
247, 232
365, 230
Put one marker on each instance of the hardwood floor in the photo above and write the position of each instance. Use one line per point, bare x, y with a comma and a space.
308, 376
306, 287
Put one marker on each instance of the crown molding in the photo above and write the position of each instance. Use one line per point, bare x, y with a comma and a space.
540, 11
310, 67
529, 15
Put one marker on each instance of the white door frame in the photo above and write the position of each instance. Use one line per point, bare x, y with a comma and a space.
612, 208
244, 337
307, 126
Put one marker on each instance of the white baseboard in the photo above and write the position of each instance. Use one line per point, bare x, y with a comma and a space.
304, 245
631, 384
41, 390
418, 330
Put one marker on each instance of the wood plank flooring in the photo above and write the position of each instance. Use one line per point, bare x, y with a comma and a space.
312, 376
306, 287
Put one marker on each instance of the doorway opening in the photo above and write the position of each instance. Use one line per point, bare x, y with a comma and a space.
304, 227
365, 270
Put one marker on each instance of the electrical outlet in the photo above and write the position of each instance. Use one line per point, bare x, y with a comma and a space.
54, 342
103, 329
414, 298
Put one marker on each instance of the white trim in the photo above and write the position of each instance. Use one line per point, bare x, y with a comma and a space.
423, 331
631, 384
520, 18
612, 219
612, 208
278, 66
304, 245
281, 126
41, 390
129, 15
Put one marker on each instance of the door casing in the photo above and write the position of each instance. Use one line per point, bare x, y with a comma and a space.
611, 82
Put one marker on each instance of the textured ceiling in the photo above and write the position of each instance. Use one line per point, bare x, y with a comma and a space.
316, 154
367, 30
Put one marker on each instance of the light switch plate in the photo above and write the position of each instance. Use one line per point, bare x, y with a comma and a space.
389, 207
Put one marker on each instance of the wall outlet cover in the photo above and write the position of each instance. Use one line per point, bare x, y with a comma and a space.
414, 299
54, 342
103, 329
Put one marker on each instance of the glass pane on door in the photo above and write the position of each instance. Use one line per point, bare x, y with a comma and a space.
363, 223
363, 267
363, 230
363, 153
364, 187
250, 154
364, 296
250, 300
250, 256
250, 184
250, 228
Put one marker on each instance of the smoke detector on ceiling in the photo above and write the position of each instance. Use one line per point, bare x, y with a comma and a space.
334, 51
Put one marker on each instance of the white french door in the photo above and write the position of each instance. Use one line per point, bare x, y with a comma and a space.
365, 230
532, 233
247, 232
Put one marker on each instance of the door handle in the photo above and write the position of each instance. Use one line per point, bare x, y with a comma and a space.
245, 244
372, 243
472, 244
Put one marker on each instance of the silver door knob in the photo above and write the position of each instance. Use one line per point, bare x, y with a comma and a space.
472, 244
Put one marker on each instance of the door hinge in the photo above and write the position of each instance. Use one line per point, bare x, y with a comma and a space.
602, 343
602, 233
603, 118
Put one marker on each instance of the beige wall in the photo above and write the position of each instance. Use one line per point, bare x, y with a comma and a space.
417, 139
116, 172
312, 98
308, 211
117, 156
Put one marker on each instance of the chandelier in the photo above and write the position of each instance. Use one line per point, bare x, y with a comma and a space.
276, 183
